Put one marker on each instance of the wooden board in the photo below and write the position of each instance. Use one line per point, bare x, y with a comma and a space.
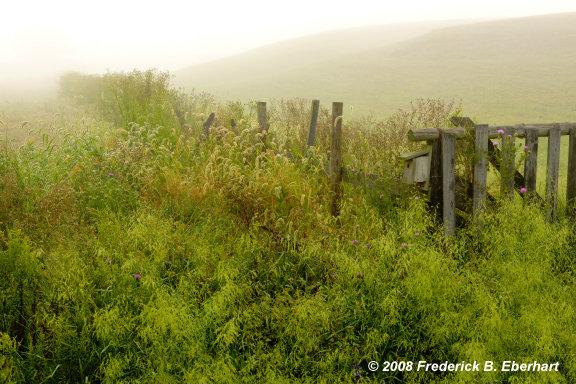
571, 183
480, 171
449, 183
552, 174
336, 157
313, 122
531, 161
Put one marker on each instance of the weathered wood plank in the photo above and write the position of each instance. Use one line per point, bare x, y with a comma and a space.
531, 161
543, 130
449, 183
571, 183
313, 122
435, 181
480, 171
336, 158
552, 174
507, 168
262, 120
262, 116
462, 121
426, 134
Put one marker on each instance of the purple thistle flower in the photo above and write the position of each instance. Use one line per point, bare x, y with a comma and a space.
525, 147
417, 234
500, 131
416, 197
368, 246
137, 276
377, 165
510, 136
523, 190
357, 375
404, 245
495, 144
354, 241
110, 174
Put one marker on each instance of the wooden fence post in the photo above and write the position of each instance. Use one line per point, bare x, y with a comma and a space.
436, 176
313, 122
449, 183
531, 161
263, 120
336, 157
552, 174
507, 167
206, 127
480, 171
571, 183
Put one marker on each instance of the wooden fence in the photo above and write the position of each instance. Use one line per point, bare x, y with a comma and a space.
442, 173
335, 172
443, 160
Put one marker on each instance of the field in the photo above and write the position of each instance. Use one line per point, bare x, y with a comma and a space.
135, 250
505, 71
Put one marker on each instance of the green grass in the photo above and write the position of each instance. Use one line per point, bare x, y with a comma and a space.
509, 71
133, 253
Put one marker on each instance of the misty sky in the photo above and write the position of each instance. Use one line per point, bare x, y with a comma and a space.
43, 38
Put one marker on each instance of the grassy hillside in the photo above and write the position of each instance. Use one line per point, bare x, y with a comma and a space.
517, 70
274, 59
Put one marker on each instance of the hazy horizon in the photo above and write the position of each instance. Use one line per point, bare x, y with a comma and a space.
42, 40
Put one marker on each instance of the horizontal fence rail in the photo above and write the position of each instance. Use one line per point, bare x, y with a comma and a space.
542, 130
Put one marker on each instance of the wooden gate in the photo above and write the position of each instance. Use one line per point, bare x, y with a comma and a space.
443, 160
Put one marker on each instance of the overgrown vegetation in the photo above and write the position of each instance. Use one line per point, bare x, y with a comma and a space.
131, 251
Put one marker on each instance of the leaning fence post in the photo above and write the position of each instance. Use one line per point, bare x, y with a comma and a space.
336, 158
571, 183
552, 174
206, 127
449, 183
313, 122
480, 170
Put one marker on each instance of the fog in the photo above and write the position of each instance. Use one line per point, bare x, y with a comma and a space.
41, 40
